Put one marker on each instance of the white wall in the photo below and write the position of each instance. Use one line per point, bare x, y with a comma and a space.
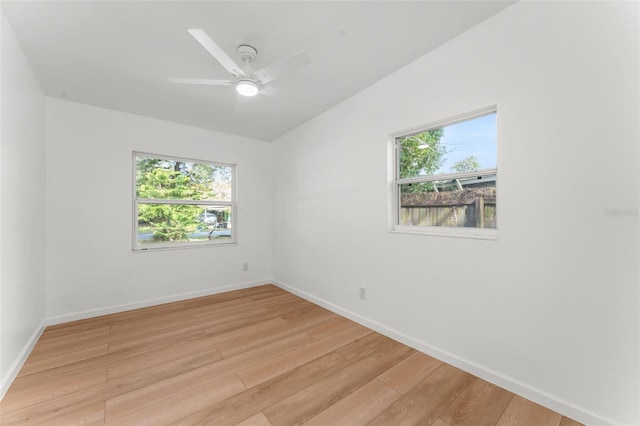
22, 197
91, 268
550, 310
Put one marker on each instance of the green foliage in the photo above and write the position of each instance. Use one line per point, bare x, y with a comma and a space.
469, 164
169, 222
421, 154
145, 165
173, 180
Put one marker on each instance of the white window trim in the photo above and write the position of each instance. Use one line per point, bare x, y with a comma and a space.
190, 244
394, 183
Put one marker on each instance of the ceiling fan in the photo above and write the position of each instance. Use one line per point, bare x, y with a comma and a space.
247, 81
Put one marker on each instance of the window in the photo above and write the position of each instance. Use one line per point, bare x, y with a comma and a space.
182, 203
444, 178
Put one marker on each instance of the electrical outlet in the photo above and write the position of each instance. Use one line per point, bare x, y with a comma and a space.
363, 293
245, 267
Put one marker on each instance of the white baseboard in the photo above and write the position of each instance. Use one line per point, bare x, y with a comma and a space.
532, 393
13, 371
149, 302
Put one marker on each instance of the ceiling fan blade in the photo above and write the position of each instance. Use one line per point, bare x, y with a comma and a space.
277, 69
204, 81
216, 51
269, 91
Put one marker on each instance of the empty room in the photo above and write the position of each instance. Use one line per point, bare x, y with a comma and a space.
320, 212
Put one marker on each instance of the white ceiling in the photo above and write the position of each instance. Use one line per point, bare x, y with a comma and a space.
119, 54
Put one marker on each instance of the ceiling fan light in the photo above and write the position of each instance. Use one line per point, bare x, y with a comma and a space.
247, 88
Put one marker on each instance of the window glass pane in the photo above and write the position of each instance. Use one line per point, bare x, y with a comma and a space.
179, 223
469, 203
461, 147
182, 180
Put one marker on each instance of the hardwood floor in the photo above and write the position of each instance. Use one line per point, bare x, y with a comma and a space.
259, 356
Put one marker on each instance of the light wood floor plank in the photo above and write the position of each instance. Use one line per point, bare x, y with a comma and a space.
365, 346
164, 390
481, 404
184, 370
88, 338
248, 403
53, 408
258, 420
257, 340
522, 412
270, 368
145, 314
248, 332
74, 327
357, 408
124, 349
183, 403
304, 405
88, 415
155, 324
160, 356
566, 421
226, 321
42, 361
410, 372
149, 376
157, 338
68, 369
272, 300
31, 390
424, 403
264, 353
330, 327
256, 356
225, 310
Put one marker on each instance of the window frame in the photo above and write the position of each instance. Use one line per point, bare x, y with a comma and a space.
395, 182
232, 204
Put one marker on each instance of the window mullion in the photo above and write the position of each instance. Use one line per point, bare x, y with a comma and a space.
447, 176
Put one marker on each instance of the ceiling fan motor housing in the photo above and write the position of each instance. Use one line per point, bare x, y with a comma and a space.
247, 53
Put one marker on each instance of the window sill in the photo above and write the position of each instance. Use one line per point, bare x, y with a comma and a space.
180, 246
471, 233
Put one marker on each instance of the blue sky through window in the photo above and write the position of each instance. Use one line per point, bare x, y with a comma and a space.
475, 137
